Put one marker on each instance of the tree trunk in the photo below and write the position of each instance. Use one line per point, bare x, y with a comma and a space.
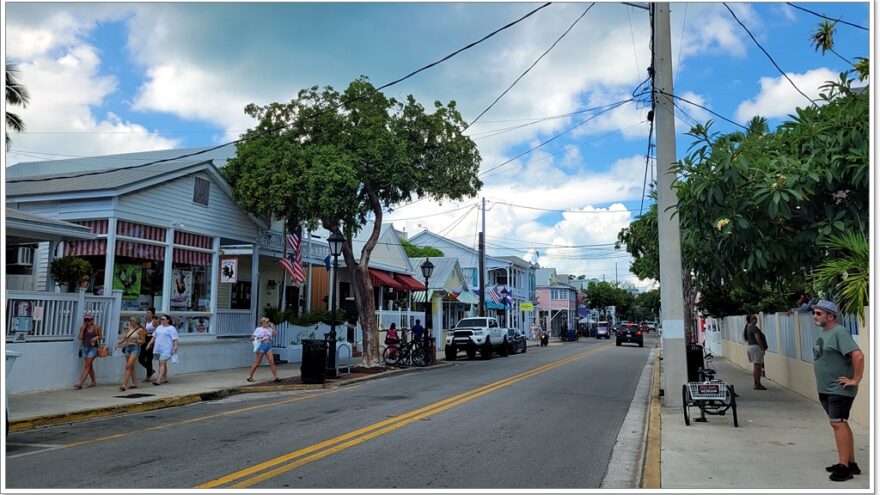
689, 293
362, 284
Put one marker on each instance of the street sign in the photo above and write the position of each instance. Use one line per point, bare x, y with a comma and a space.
526, 306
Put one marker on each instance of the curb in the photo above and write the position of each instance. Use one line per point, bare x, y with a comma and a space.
182, 400
651, 470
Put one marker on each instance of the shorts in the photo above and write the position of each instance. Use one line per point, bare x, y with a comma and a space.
89, 351
756, 354
265, 347
162, 357
836, 406
132, 350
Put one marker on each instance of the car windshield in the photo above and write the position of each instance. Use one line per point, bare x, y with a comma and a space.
471, 322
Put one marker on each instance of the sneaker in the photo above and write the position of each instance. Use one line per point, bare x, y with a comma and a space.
853, 468
840, 473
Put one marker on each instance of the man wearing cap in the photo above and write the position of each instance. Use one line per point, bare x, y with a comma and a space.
839, 364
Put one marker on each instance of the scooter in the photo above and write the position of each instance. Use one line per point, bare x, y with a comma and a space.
545, 339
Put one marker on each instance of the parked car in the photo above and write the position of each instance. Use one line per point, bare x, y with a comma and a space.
630, 333
516, 340
603, 330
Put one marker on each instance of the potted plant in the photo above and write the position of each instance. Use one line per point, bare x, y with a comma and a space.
69, 271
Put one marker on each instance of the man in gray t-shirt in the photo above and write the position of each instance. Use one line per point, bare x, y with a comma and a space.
839, 365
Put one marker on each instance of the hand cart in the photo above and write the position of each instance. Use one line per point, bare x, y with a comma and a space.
711, 395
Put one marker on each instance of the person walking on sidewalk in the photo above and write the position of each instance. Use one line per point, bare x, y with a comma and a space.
264, 334
757, 345
164, 345
130, 343
90, 336
146, 355
838, 364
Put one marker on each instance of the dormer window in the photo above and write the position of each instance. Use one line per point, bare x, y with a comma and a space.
201, 191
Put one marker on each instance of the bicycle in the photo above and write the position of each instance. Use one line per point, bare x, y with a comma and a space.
405, 353
709, 394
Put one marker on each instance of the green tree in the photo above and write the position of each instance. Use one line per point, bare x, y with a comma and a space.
413, 251
649, 302
16, 94
845, 271
341, 159
760, 203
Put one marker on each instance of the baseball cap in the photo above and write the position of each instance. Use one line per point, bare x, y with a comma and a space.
827, 306
88, 315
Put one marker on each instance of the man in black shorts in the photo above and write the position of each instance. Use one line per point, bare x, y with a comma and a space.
839, 364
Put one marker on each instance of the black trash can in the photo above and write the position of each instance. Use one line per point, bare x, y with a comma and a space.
314, 358
694, 354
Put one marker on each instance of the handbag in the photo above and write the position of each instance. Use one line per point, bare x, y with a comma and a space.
103, 351
256, 345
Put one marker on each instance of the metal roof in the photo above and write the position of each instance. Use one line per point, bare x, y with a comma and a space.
94, 180
22, 226
84, 164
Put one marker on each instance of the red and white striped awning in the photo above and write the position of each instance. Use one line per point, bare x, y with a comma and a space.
94, 247
188, 257
140, 250
97, 227
193, 240
132, 229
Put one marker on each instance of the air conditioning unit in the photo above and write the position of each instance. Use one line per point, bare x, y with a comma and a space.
20, 256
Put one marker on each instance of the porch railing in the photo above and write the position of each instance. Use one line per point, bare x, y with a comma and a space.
234, 322
403, 319
57, 316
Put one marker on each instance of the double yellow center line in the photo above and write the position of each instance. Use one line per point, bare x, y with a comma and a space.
250, 476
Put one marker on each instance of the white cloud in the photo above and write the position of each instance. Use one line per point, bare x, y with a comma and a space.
61, 73
778, 98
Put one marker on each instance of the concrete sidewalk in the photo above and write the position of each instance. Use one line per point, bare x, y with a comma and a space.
784, 440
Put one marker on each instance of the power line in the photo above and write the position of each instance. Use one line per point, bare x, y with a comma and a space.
322, 112
493, 132
559, 211
768, 54
826, 17
533, 65
704, 108
617, 105
431, 215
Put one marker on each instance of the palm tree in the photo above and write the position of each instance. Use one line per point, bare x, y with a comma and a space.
846, 271
823, 39
16, 94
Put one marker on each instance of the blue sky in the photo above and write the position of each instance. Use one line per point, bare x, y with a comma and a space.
122, 77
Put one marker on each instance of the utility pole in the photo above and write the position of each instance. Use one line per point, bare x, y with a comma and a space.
671, 293
482, 264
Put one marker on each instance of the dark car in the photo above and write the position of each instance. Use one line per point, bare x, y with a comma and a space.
630, 333
516, 340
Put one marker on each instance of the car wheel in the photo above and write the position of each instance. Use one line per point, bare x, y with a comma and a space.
486, 351
618, 343
450, 353
505, 348
525, 346
641, 343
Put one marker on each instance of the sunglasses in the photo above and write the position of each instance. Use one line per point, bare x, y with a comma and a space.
818, 313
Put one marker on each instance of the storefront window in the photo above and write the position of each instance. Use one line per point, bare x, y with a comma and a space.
190, 283
139, 267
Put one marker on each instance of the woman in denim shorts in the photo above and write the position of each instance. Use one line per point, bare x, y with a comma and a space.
89, 336
264, 334
130, 343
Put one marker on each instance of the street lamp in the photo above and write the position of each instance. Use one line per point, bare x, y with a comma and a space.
427, 270
336, 240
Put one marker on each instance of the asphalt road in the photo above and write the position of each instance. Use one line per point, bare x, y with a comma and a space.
545, 419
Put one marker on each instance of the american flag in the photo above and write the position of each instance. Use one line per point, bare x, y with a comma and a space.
493, 293
293, 263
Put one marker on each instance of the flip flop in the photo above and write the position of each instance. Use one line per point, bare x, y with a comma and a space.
250, 379
277, 379
78, 387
